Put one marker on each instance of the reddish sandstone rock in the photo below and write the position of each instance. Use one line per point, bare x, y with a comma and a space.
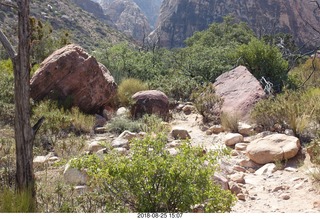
240, 91
150, 102
71, 73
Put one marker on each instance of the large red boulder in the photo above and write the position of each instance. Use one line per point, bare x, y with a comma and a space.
150, 102
72, 74
240, 91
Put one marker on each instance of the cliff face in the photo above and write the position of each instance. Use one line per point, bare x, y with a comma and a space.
150, 8
179, 19
91, 7
128, 18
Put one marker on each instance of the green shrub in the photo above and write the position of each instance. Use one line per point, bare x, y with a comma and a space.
152, 180
306, 74
129, 87
120, 124
209, 53
6, 92
58, 119
62, 130
263, 60
297, 110
148, 123
208, 103
153, 124
175, 86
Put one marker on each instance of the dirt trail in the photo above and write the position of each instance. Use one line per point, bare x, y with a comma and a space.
289, 190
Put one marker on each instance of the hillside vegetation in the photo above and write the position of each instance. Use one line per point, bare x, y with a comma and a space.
64, 17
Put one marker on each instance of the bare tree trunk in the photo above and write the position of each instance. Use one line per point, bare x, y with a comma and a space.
23, 131
24, 134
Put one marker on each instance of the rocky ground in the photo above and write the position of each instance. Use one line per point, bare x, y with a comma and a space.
281, 188
290, 189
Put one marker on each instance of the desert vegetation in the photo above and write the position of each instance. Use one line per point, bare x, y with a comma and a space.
148, 178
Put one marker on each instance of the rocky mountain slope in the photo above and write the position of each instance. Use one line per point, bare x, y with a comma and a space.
149, 8
179, 19
84, 28
128, 18
91, 7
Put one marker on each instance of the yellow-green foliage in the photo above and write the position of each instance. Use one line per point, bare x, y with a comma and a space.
301, 74
6, 92
12, 202
127, 88
230, 122
298, 110
62, 120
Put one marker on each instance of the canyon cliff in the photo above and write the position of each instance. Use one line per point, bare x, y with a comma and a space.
179, 19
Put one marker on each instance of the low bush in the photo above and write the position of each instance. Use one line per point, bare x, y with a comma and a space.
120, 124
61, 130
148, 123
230, 122
13, 202
296, 110
58, 120
306, 74
152, 180
207, 103
129, 87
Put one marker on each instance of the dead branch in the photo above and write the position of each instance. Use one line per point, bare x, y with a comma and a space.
317, 4
313, 68
7, 45
8, 4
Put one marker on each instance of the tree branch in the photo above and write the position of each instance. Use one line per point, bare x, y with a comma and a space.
36, 127
317, 4
8, 4
7, 45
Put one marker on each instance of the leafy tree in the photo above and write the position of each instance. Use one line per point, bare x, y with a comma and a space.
222, 34
205, 62
44, 40
124, 61
264, 60
209, 52
176, 86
